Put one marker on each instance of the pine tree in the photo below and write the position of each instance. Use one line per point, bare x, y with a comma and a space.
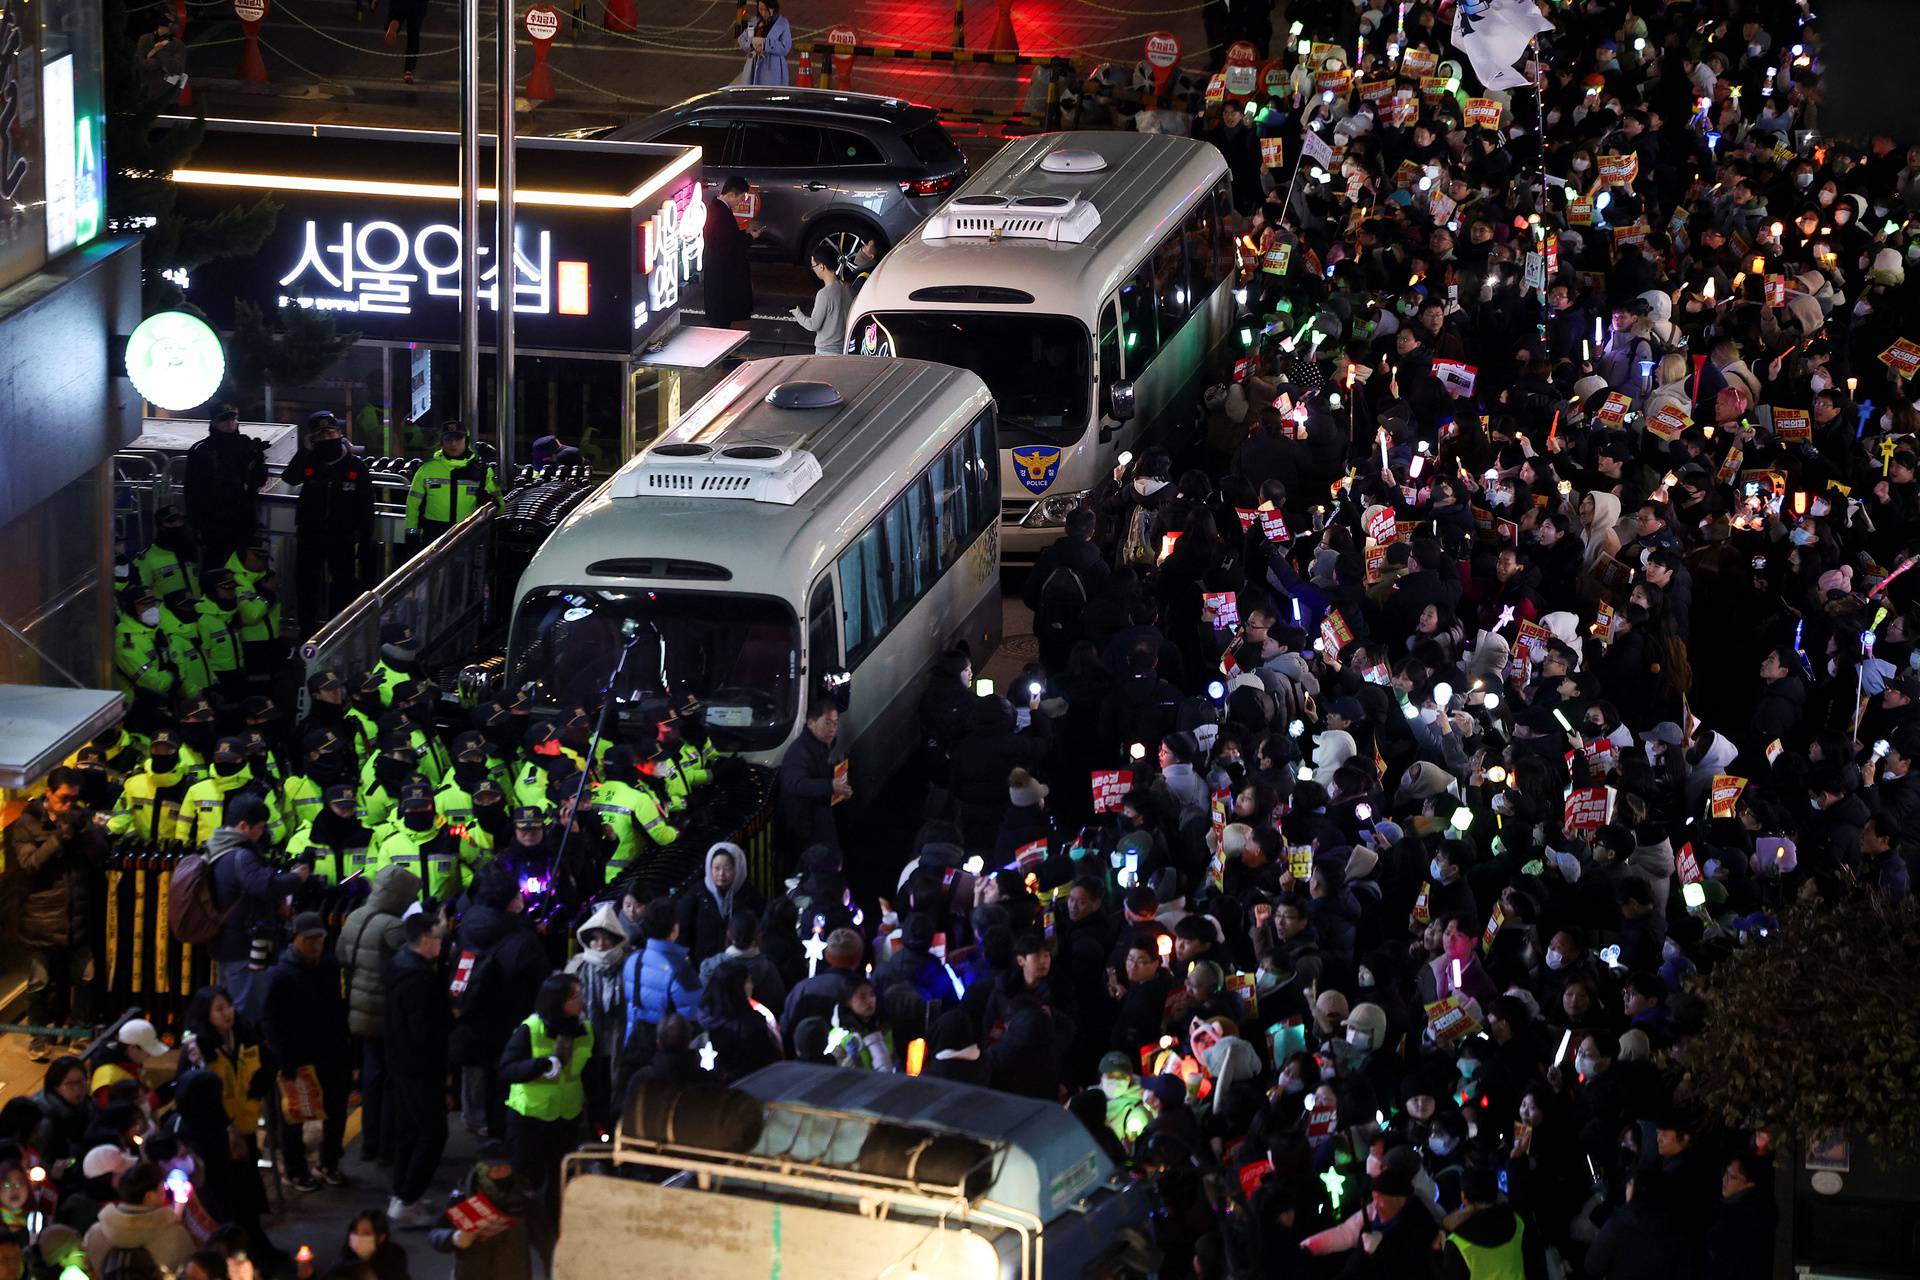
290, 349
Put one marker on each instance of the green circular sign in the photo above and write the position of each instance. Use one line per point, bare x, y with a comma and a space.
175, 360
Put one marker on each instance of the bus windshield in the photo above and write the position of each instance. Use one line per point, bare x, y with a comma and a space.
1037, 366
737, 656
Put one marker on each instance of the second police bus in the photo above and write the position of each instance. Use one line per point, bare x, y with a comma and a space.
1088, 279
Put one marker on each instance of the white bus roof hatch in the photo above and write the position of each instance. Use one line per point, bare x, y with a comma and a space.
1057, 219
747, 471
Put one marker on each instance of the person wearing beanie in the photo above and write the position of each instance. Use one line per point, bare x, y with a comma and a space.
1025, 822
953, 1051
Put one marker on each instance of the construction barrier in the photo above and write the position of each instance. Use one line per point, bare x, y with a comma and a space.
826, 48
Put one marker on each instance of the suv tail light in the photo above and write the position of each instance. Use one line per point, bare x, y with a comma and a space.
930, 186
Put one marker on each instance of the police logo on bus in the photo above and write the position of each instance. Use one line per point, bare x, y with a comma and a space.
1038, 467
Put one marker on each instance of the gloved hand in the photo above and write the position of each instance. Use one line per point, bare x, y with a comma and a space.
553, 1069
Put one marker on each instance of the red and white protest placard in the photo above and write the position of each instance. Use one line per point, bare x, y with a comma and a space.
1602, 754
1456, 375
745, 206
1587, 809
1273, 152
1605, 619
1334, 80
1726, 794
1382, 528
1110, 787
478, 1217
1419, 62
1247, 516
1163, 55
1029, 856
840, 768
1687, 866
1792, 426
1225, 606
1775, 291
1335, 634
1376, 90
1321, 1120
1274, 525
1497, 918
1253, 1174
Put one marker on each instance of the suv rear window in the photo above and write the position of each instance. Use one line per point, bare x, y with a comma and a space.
932, 147
842, 148
777, 144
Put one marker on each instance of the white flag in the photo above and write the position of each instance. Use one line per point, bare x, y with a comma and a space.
1493, 34
1315, 148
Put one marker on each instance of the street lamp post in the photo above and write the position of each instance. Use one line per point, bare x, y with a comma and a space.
470, 218
505, 269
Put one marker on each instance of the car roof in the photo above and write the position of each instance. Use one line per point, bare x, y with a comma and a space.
805, 102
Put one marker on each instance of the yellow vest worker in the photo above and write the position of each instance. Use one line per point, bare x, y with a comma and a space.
139, 650
203, 811
167, 565
546, 1085
148, 809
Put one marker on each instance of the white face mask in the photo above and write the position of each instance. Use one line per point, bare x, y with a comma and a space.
1112, 1086
363, 1245
1556, 959
1581, 164
1819, 381
1803, 180
1583, 1064
1440, 1145
1375, 1165
150, 616
1825, 198
1359, 1039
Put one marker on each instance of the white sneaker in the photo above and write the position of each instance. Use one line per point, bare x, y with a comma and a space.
410, 1216
396, 1209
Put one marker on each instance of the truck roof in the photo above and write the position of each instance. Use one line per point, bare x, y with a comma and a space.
1049, 1160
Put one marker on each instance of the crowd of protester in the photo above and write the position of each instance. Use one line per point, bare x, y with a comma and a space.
1522, 631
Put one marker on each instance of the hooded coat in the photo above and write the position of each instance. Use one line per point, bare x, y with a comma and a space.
1331, 750
599, 974
53, 864
369, 940
124, 1226
980, 763
1606, 515
705, 913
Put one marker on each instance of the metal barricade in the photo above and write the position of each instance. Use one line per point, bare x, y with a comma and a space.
441, 593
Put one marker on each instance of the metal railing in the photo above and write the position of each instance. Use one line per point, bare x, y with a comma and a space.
441, 593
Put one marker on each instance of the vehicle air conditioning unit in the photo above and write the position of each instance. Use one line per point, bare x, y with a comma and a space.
1056, 219
750, 472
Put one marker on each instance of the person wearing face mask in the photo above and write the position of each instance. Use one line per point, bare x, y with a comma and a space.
492, 824
453, 799
385, 775
603, 950
370, 1244
204, 804
336, 835
399, 659
423, 841
169, 562
263, 780
178, 623
333, 520
371, 936
325, 760
148, 808
139, 658
216, 629
327, 709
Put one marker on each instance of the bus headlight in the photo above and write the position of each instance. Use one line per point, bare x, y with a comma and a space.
1051, 512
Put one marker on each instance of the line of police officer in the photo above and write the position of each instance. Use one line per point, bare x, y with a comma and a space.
370, 777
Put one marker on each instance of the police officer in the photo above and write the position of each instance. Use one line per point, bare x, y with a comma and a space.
530, 849
544, 757
449, 486
224, 475
124, 750
327, 709
205, 804
419, 702
139, 654
365, 707
257, 588
335, 839
631, 812
424, 844
491, 827
264, 781
198, 734
453, 799
216, 626
399, 659
326, 761
333, 520
168, 564
148, 810
179, 624
385, 775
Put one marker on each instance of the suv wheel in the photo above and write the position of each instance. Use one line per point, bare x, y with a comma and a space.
843, 240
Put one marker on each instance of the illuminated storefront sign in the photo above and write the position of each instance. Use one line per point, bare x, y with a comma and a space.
592, 272
175, 360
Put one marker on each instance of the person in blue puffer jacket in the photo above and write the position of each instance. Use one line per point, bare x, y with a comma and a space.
659, 979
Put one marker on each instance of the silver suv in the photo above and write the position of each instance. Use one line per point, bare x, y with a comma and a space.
833, 168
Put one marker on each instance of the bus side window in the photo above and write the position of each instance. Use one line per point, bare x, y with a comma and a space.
908, 548
863, 593
1225, 262
984, 449
823, 639
951, 520
1201, 267
1109, 354
1137, 320
1170, 284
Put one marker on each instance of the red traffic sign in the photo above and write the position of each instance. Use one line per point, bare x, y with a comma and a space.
250, 10
543, 23
1163, 50
1242, 53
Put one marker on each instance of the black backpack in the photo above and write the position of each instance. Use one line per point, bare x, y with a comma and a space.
1062, 601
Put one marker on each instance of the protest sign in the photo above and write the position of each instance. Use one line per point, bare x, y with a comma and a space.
1110, 787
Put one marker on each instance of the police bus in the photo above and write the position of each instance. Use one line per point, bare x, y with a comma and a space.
1088, 278
814, 521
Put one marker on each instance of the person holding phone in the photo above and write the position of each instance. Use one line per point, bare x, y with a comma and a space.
766, 41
